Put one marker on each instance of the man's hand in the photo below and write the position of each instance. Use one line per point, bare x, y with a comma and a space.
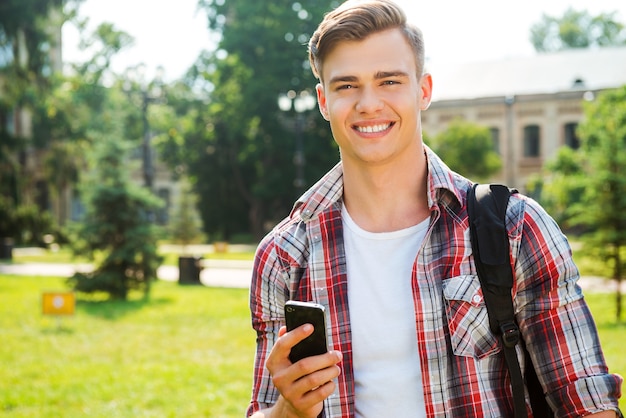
303, 385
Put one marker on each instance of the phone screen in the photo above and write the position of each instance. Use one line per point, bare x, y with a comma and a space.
300, 313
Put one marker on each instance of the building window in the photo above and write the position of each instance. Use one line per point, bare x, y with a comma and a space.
531, 141
571, 139
495, 137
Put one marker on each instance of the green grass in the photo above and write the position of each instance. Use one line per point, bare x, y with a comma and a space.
612, 334
188, 352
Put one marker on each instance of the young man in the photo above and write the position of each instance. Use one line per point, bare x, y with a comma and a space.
382, 241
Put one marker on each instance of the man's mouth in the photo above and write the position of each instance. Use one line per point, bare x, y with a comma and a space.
372, 129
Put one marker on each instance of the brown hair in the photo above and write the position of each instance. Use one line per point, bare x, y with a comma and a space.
355, 20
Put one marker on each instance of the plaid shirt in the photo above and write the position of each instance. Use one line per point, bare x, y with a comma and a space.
463, 369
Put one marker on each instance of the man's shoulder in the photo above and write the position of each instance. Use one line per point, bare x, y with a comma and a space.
287, 235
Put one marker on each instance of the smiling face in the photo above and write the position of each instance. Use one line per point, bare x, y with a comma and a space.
373, 96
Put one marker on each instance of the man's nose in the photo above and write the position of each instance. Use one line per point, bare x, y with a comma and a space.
369, 101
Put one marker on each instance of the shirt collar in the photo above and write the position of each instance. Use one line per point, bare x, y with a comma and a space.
443, 184
326, 192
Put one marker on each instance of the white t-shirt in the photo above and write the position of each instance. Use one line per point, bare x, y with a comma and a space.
387, 372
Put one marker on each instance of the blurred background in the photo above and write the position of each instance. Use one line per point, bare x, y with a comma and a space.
136, 134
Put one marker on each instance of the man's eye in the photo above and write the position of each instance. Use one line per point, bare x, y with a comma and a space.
390, 82
345, 87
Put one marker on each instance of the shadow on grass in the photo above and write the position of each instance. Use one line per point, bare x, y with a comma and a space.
114, 309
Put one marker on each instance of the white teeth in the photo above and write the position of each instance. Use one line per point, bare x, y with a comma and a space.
372, 129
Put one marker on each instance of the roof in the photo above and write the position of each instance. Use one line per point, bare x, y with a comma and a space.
574, 69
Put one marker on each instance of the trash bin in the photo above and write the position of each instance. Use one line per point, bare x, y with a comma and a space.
189, 269
6, 248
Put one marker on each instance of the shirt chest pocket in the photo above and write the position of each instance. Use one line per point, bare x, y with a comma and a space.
466, 314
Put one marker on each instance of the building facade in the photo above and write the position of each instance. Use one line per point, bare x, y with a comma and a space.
532, 105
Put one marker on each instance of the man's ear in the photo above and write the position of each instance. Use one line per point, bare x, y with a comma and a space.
321, 100
426, 88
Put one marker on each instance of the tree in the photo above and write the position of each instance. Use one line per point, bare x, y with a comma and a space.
468, 149
25, 64
603, 206
560, 185
242, 163
117, 227
576, 29
186, 226
25, 38
65, 119
42, 154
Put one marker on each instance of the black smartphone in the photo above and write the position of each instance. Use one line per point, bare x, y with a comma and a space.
300, 313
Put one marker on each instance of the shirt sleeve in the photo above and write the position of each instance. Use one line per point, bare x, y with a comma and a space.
268, 293
555, 321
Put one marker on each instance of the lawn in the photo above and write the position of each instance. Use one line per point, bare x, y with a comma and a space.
187, 352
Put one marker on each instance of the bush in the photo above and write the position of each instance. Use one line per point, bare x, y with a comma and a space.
25, 224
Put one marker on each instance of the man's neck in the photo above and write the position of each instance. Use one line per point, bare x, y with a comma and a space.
389, 197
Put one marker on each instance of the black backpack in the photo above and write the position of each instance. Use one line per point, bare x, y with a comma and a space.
486, 206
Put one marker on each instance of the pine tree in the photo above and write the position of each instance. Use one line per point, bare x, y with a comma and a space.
117, 227
186, 226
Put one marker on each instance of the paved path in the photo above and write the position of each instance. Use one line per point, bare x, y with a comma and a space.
215, 272
225, 273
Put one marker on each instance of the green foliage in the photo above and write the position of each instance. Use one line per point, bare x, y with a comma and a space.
8, 228
9, 165
33, 225
468, 149
63, 110
24, 223
117, 226
560, 187
240, 154
577, 29
26, 19
586, 189
185, 223
25, 44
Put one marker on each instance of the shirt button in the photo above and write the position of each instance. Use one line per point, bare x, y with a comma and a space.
477, 299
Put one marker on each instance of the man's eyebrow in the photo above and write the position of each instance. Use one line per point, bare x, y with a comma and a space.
343, 79
378, 76
386, 74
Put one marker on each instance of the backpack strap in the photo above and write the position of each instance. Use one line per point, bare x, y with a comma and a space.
486, 206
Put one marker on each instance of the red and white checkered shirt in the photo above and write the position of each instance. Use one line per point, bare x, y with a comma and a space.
463, 370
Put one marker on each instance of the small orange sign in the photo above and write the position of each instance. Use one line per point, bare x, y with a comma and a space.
58, 303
